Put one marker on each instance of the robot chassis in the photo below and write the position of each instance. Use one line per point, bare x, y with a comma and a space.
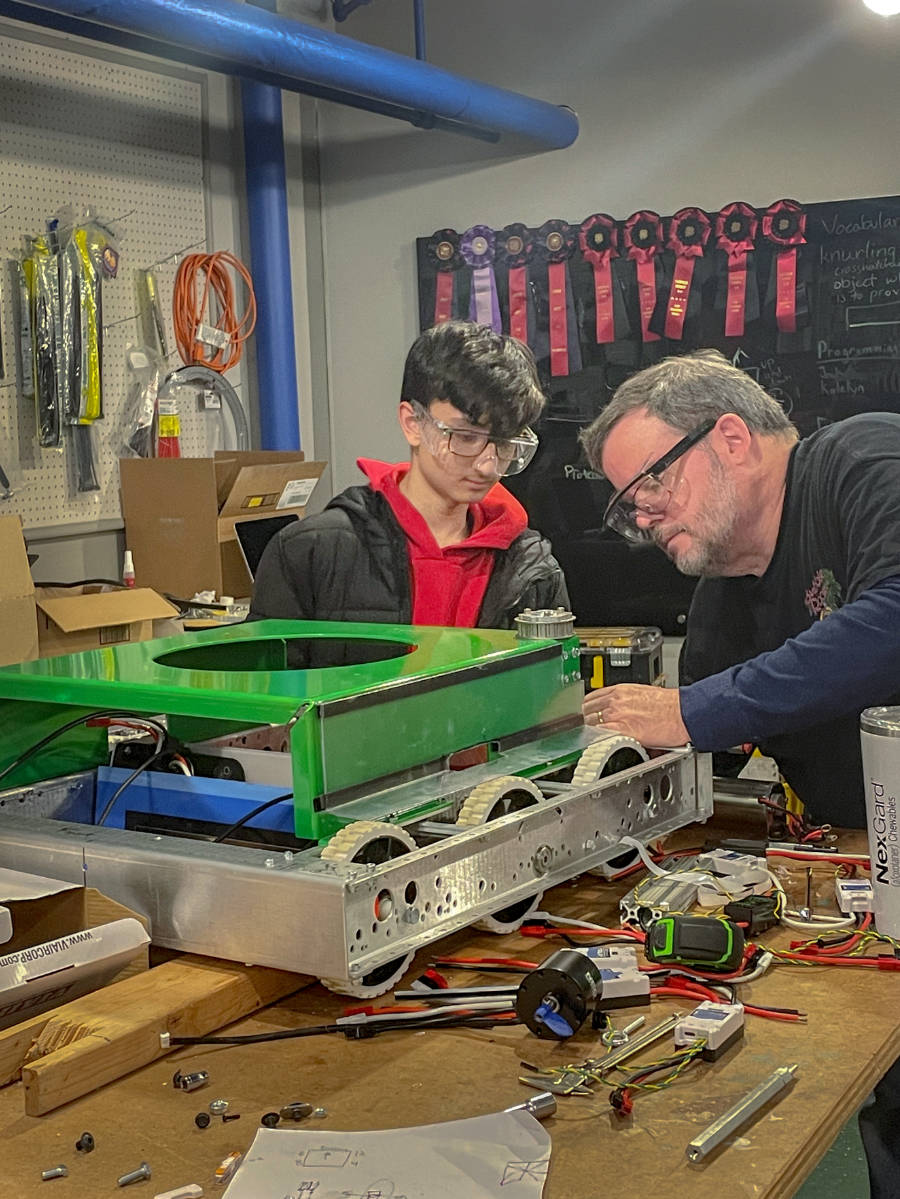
438, 778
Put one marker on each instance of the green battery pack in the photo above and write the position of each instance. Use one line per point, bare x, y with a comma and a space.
704, 942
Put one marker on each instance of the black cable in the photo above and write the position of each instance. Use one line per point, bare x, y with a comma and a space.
581, 944
105, 713
351, 1031
145, 765
82, 583
270, 803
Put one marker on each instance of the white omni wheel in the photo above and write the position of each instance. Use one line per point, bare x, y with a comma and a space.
608, 756
603, 758
373, 842
489, 801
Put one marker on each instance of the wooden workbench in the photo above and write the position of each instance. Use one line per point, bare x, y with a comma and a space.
398, 1079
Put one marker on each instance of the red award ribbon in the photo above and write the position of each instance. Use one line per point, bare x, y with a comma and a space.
736, 226
689, 231
598, 238
559, 337
555, 242
784, 223
443, 250
518, 303
643, 239
515, 245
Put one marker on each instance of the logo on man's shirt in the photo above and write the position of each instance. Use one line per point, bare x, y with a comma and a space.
823, 595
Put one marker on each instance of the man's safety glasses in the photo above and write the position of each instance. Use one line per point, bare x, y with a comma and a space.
646, 493
513, 453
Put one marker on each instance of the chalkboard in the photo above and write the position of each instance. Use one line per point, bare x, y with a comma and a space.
834, 352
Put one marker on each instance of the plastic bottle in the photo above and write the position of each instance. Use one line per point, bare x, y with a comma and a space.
128, 569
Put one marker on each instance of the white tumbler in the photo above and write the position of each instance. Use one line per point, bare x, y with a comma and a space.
880, 737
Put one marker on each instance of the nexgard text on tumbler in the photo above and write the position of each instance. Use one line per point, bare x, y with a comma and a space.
880, 736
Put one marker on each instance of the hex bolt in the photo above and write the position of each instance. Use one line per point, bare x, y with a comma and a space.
142, 1172
85, 1143
218, 1107
202, 1119
270, 1120
56, 1172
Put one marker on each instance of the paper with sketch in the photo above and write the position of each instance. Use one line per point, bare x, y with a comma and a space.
501, 1156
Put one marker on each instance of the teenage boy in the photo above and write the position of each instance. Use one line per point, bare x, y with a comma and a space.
436, 540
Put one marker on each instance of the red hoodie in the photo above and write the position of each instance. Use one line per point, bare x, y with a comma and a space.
448, 584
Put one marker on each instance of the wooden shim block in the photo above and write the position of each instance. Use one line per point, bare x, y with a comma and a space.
95, 1039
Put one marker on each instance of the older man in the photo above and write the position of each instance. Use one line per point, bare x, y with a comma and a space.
795, 623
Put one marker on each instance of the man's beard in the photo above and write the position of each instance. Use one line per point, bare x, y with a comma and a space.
711, 534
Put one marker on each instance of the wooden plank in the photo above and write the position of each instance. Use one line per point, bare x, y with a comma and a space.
100, 1037
15, 1043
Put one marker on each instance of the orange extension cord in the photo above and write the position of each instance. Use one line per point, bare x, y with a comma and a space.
198, 274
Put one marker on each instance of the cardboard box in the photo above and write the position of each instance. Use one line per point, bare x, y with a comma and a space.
17, 617
61, 941
180, 513
72, 619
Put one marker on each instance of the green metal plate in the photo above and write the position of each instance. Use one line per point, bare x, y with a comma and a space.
363, 701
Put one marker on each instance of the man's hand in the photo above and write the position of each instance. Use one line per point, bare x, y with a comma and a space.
652, 715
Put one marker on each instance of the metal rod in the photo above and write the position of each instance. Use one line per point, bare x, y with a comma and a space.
716, 1133
419, 21
603, 1065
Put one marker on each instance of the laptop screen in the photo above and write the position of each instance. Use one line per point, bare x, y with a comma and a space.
254, 535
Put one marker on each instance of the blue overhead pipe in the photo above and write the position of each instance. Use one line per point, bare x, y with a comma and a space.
270, 261
239, 39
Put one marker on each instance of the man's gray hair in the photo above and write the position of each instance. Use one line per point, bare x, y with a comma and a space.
685, 392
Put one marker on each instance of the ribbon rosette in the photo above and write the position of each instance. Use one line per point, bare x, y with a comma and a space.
476, 247
643, 240
555, 243
442, 250
598, 238
736, 227
689, 231
784, 224
514, 249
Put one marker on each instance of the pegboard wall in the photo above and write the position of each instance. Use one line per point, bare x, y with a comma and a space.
80, 128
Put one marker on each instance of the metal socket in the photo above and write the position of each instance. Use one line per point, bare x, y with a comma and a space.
190, 1082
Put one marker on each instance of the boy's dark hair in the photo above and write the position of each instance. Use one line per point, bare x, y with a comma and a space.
490, 377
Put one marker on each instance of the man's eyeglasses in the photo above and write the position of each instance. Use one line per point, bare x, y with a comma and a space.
513, 453
647, 493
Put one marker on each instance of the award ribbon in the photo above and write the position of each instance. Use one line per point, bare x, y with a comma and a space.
736, 226
476, 247
643, 240
443, 250
555, 243
784, 224
598, 238
689, 231
514, 247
